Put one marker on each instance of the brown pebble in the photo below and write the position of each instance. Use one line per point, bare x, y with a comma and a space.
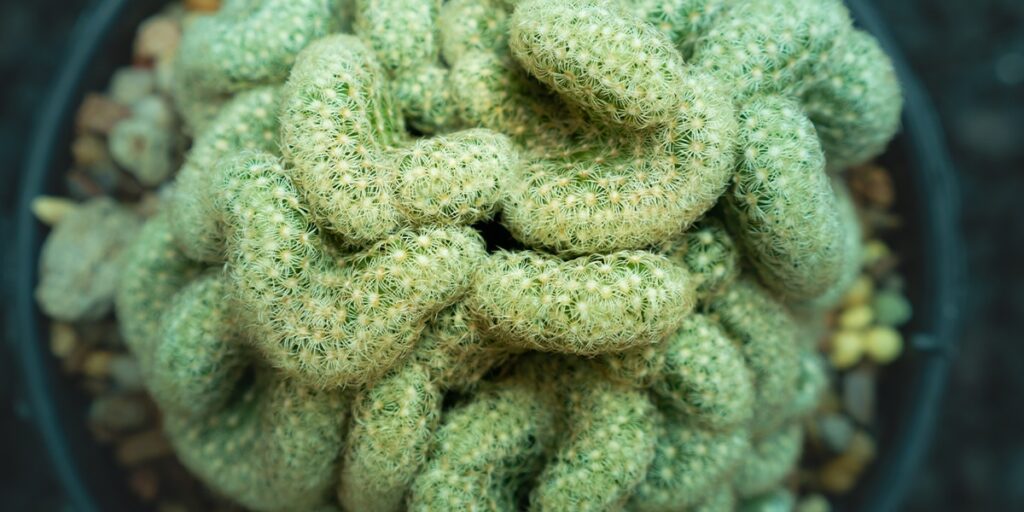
72, 363
96, 387
119, 412
145, 482
859, 395
837, 477
873, 185
143, 447
82, 186
125, 372
89, 150
157, 39
98, 114
63, 339
202, 5
841, 474
97, 364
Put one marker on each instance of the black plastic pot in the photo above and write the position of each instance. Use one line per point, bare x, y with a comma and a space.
909, 393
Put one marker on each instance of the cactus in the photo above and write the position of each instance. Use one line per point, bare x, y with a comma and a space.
609, 446
489, 446
782, 205
328, 312
768, 339
154, 271
247, 122
81, 260
769, 461
394, 420
778, 500
587, 305
273, 448
342, 132
404, 36
852, 248
195, 369
245, 44
764, 47
471, 25
698, 371
856, 104
690, 465
199, 360
333, 320
631, 190
710, 254
683, 21
619, 68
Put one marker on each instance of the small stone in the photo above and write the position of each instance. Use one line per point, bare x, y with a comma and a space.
63, 339
847, 349
883, 344
873, 184
860, 291
859, 395
50, 210
837, 476
891, 308
82, 186
144, 143
857, 317
841, 474
125, 371
157, 39
142, 447
78, 267
131, 84
157, 110
836, 432
118, 412
862, 448
99, 114
89, 150
97, 364
145, 482
202, 5
874, 252
814, 503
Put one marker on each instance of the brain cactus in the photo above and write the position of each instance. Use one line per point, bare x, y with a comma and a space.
493, 254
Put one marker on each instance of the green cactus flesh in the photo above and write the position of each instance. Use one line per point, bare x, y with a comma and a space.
491, 254
333, 320
609, 446
768, 339
782, 205
690, 464
362, 180
587, 305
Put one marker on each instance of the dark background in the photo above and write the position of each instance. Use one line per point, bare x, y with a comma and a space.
969, 55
